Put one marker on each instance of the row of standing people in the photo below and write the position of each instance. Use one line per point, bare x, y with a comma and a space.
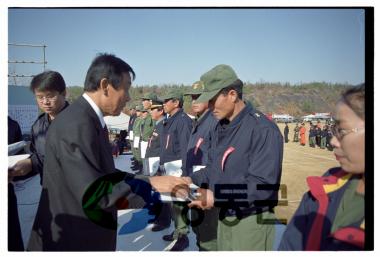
318, 135
223, 127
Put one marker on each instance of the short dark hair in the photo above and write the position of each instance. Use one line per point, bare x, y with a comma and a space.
48, 81
106, 66
354, 98
180, 102
237, 86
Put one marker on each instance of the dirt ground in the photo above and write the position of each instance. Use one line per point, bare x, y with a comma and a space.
299, 162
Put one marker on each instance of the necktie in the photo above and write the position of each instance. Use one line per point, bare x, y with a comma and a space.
105, 130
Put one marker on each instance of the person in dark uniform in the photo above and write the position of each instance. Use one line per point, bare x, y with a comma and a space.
136, 161
147, 125
296, 133
162, 211
132, 118
204, 223
312, 135
324, 135
174, 140
15, 242
49, 89
243, 171
286, 132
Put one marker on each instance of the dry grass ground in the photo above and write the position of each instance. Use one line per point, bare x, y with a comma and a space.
299, 162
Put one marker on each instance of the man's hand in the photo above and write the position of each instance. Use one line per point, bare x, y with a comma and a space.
205, 199
21, 168
177, 186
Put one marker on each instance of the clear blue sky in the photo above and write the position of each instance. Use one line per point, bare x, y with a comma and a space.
179, 45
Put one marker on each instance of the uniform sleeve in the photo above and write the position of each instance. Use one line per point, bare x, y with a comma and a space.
184, 131
148, 129
295, 235
37, 159
265, 166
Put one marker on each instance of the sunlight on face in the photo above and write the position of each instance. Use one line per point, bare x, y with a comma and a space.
350, 149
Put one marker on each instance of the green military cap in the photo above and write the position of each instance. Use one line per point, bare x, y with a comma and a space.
157, 101
154, 106
174, 94
196, 89
149, 96
139, 108
219, 77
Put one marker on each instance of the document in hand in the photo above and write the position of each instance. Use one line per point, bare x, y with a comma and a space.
136, 141
150, 166
166, 197
143, 147
173, 168
12, 160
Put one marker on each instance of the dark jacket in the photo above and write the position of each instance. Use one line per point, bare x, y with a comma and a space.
175, 137
306, 231
245, 155
77, 209
154, 146
199, 142
38, 141
14, 131
131, 122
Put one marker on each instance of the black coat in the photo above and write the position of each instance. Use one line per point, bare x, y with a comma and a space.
154, 145
175, 137
200, 142
38, 141
78, 159
14, 131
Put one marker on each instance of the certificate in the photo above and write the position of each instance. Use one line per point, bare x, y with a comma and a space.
136, 142
151, 166
173, 168
12, 160
143, 147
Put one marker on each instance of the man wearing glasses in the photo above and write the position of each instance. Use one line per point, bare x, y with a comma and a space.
49, 89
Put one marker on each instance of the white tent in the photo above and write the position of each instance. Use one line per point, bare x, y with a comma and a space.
117, 122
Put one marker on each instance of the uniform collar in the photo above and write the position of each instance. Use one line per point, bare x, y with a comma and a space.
247, 109
95, 108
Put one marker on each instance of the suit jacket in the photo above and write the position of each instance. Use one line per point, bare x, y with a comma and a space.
76, 202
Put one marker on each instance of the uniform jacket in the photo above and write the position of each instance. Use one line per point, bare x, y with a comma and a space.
245, 155
154, 146
175, 137
310, 227
78, 158
147, 126
199, 142
37, 144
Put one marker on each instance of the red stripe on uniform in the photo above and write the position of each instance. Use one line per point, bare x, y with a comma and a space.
225, 155
199, 142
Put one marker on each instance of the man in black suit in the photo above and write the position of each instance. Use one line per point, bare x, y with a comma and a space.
81, 188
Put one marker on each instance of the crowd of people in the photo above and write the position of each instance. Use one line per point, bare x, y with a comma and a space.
319, 135
229, 150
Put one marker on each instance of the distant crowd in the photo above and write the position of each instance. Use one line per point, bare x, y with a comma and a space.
319, 135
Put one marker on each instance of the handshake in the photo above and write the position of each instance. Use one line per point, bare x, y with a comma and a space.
182, 187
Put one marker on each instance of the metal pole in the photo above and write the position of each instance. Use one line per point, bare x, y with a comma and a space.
44, 58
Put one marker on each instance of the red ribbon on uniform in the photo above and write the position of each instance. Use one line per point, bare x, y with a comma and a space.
167, 141
225, 155
200, 141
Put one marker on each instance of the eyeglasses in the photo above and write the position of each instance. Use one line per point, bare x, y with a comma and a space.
49, 98
340, 133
